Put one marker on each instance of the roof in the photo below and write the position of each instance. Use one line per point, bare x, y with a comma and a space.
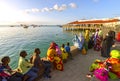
95, 21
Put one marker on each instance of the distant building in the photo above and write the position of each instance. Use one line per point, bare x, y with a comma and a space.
93, 24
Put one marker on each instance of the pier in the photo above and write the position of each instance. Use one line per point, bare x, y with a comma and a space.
76, 70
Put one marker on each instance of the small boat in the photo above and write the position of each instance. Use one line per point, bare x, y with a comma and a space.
60, 26
25, 26
11, 26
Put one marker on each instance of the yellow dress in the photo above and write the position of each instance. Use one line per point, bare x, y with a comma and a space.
51, 54
64, 53
87, 35
52, 57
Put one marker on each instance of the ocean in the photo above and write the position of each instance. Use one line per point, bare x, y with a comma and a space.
15, 39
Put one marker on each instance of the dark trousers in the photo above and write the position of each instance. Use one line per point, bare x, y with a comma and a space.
47, 66
70, 55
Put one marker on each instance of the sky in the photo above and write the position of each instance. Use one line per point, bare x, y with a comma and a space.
52, 12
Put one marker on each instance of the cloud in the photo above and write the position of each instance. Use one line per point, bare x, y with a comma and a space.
35, 10
73, 5
60, 8
55, 7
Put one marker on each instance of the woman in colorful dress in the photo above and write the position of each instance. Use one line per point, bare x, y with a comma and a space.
53, 58
59, 53
86, 36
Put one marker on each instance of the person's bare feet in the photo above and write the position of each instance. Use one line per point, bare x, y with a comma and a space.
89, 76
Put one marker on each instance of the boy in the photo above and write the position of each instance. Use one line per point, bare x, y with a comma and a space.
67, 48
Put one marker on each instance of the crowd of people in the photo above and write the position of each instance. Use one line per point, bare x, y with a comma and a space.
35, 67
102, 70
29, 70
97, 42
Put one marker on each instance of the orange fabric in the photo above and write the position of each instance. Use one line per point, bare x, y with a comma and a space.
115, 64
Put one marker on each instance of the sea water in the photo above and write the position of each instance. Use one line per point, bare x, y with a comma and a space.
15, 39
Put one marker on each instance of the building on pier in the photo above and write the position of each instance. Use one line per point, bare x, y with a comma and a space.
92, 24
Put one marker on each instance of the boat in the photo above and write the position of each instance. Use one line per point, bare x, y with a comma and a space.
25, 26
60, 26
11, 26
77, 43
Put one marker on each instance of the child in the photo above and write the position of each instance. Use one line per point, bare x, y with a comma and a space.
64, 53
67, 48
5, 70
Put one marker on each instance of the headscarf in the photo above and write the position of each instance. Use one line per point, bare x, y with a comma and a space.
52, 45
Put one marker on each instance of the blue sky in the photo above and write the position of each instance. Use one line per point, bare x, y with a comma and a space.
56, 11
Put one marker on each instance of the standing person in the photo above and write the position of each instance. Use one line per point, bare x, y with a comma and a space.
44, 68
100, 34
97, 46
91, 42
54, 58
107, 43
96, 36
118, 37
86, 36
26, 68
68, 50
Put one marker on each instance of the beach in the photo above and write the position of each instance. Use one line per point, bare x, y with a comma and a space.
76, 70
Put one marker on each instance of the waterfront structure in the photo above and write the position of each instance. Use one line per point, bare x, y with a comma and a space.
93, 24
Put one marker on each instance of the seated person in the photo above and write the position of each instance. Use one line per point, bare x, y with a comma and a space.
54, 58
43, 66
26, 68
5, 70
64, 53
68, 50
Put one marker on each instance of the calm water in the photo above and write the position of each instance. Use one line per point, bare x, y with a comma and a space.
15, 39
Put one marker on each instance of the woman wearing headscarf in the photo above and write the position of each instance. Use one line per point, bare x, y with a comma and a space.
54, 58
107, 43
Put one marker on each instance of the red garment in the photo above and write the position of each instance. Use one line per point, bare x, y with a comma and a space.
118, 37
